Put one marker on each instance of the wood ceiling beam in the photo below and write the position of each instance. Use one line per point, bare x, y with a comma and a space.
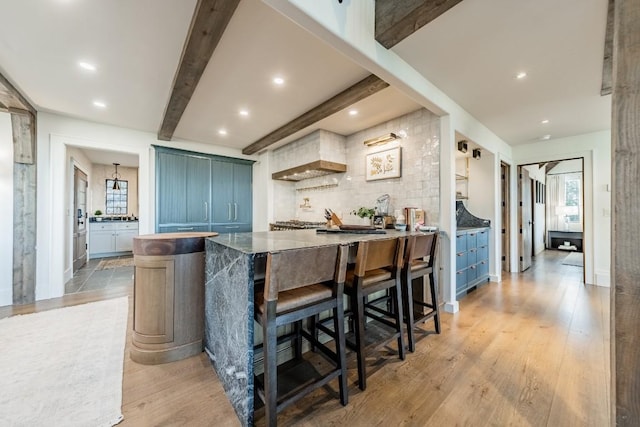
12, 99
607, 64
209, 21
396, 20
551, 165
364, 88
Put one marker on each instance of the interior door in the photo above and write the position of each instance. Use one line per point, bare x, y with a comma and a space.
526, 223
504, 170
80, 223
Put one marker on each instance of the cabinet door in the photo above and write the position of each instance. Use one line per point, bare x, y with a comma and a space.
197, 190
171, 190
102, 241
222, 209
242, 194
124, 238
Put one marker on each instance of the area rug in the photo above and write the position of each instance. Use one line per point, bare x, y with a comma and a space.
574, 258
106, 264
63, 367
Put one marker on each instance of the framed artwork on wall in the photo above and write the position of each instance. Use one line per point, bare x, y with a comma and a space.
383, 164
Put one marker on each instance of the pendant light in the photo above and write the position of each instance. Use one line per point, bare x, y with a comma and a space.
116, 175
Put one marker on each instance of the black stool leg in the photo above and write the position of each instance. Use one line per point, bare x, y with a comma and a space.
341, 360
434, 301
408, 288
397, 293
358, 308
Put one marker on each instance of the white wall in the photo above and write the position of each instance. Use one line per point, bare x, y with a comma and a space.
6, 213
56, 134
595, 148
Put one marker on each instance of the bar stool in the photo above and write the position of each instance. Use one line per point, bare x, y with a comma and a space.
377, 268
420, 258
301, 283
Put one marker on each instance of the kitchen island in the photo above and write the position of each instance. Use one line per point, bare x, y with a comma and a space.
233, 262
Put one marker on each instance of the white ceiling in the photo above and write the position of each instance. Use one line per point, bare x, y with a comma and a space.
471, 52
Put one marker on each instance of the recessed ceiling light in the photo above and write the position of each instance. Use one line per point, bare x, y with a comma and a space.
86, 66
353, 112
545, 121
222, 132
521, 75
278, 80
99, 104
545, 137
244, 113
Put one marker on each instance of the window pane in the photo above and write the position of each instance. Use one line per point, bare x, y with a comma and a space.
116, 200
572, 192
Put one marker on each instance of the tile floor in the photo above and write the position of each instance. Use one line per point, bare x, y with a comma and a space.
88, 278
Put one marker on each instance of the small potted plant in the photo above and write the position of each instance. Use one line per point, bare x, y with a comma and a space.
98, 214
365, 213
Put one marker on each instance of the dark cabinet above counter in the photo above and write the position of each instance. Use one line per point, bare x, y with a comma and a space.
200, 192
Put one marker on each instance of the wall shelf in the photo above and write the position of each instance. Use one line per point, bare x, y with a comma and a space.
317, 187
462, 179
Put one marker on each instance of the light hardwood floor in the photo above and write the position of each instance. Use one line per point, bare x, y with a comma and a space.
530, 351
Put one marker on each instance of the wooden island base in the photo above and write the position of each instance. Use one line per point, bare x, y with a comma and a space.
168, 317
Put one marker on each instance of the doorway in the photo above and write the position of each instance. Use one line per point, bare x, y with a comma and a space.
525, 217
505, 171
80, 223
551, 214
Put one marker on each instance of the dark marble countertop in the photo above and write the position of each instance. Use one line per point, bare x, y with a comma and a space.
269, 241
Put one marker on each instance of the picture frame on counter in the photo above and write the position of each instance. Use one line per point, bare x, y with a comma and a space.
383, 164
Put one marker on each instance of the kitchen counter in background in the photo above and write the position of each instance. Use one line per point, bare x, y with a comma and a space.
113, 219
111, 238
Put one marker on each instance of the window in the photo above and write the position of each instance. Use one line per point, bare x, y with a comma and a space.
116, 203
572, 199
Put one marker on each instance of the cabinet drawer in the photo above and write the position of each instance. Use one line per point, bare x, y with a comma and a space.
127, 226
472, 241
483, 238
482, 253
482, 268
472, 256
181, 228
461, 242
461, 260
461, 279
231, 228
102, 226
472, 273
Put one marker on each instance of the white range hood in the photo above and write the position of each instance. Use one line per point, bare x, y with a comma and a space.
317, 154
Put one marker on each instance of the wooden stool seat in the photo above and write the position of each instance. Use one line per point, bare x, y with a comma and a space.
296, 298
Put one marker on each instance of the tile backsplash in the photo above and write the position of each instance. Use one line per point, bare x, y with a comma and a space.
418, 186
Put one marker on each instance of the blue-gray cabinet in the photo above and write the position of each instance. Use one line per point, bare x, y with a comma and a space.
200, 192
232, 207
472, 259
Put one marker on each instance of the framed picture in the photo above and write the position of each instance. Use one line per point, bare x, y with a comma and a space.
383, 164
